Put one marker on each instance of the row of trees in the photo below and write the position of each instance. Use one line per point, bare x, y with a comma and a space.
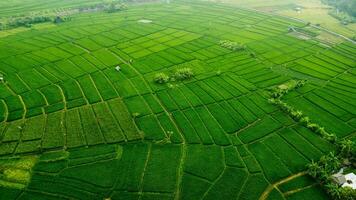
24, 21
329, 164
115, 7
36, 18
28, 21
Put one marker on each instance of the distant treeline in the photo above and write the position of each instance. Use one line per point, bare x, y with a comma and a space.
347, 6
28, 21
58, 17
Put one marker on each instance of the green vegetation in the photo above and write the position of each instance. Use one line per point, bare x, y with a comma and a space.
16, 172
346, 6
183, 74
171, 100
328, 164
180, 74
233, 46
161, 78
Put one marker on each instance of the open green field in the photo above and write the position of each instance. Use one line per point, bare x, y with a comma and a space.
72, 126
23, 7
313, 11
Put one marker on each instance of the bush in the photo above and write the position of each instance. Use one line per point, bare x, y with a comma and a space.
115, 7
161, 78
345, 147
347, 193
28, 21
136, 114
234, 46
183, 74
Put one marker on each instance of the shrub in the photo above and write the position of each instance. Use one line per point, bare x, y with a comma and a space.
115, 7
305, 121
28, 21
297, 115
183, 74
345, 147
347, 193
135, 114
161, 78
234, 46
312, 126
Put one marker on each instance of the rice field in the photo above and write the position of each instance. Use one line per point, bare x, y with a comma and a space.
81, 116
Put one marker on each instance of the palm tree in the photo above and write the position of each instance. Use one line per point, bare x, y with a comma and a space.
345, 147
324, 176
334, 161
333, 190
313, 169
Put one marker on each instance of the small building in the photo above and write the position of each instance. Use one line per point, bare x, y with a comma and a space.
348, 180
2, 78
339, 178
118, 68
298, 9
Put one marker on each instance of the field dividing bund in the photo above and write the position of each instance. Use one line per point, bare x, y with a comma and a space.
82, 115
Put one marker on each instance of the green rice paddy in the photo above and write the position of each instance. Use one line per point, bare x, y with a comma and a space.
74, 126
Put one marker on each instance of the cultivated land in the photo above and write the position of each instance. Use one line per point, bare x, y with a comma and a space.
74, 127
313, 11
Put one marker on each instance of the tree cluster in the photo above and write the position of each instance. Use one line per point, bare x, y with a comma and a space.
181, 74
329, 164
281, 90
347, 6
233, 46
115, 7
27, 21
161, 78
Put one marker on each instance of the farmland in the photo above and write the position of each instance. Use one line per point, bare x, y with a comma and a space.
82, 117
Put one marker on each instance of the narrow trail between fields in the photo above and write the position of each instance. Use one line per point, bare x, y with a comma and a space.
272, 186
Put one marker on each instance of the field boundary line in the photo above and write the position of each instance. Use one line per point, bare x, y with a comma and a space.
269, 189
298, 189
180, 172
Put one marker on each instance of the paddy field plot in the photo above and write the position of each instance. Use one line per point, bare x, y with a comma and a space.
75, 126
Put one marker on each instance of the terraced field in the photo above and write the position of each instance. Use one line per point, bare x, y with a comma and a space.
74, 127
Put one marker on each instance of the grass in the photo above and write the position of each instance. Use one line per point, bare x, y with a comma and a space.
206, 131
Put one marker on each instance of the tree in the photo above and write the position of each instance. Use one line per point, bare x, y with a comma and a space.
347, 193
58, 20
313, 169
345, 147
333, 190
183, 74
161, 78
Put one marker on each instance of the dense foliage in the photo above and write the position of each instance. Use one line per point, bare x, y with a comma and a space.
28, 21
80, 99
161, 78
233, 46
183, 74
348, 6
322, 170
344, 10
180, 74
